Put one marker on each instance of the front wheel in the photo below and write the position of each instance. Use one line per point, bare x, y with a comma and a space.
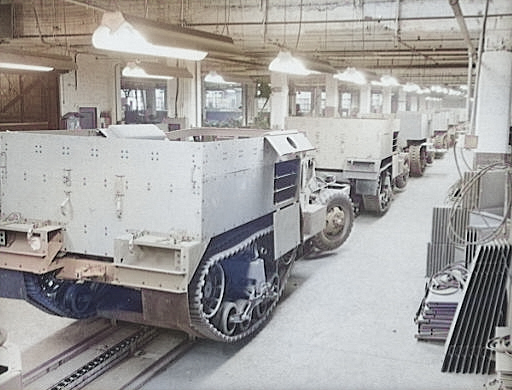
417, 160
338, 222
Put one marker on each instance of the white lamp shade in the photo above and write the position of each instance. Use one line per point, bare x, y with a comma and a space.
351, 75
116, 34
286, 63
133, 70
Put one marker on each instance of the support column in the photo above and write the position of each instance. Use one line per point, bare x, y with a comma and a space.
293, 108
117, 113
316, 104
190, 96
365, 99
493, 107
415, 106
402, 100
249, 103
493, 98
150, 103
279, 105
386, 100
198, 82
331, 97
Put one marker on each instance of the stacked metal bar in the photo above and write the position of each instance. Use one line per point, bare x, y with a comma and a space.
448, 225
471, 247
471, 195
442, 295
482, 308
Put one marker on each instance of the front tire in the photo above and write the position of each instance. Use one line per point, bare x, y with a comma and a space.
417, 160
338, 223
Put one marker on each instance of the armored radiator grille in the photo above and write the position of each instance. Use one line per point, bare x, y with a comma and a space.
286, 175
395, 141
483, 307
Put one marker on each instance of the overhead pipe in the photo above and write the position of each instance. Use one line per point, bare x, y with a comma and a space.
471, 53
478, 66
462, 24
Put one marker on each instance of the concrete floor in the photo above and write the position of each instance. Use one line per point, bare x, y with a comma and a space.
347, 319
345, 322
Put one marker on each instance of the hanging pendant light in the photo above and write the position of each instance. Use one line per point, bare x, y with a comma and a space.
351, 75
286, 63
20, 60
115, 33
214, 77
132, 69
389, 81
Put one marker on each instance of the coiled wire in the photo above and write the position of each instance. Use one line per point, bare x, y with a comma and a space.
459, 194
448, 281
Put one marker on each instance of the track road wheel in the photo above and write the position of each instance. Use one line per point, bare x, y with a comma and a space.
429, 158
213, 290
338, 222
401, 181
227, 311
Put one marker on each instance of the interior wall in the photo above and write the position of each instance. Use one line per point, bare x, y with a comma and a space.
91, 85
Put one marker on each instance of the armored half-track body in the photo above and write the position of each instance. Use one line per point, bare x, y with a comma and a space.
362, 151
194, 229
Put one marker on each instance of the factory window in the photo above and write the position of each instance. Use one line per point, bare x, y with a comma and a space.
262, 105
376, 102
303, 100
310, 103
134, 99
143, 101
346, 103
349, 102
223, 105
160, 102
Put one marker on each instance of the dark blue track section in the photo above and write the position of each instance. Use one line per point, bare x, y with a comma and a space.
232, 237
236, 267
78, 300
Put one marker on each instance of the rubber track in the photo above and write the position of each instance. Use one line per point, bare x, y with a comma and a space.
199, 322
104, 297
37, 297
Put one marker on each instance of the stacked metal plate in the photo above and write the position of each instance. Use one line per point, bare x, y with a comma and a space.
448, 226
482, 308
442, 295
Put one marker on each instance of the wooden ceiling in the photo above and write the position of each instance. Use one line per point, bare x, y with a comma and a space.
420, 41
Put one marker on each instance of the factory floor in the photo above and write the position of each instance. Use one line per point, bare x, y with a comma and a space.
346, 321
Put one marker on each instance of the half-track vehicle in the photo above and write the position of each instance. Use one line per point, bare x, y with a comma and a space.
444, 129
194, 229
360, 151
415, 138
